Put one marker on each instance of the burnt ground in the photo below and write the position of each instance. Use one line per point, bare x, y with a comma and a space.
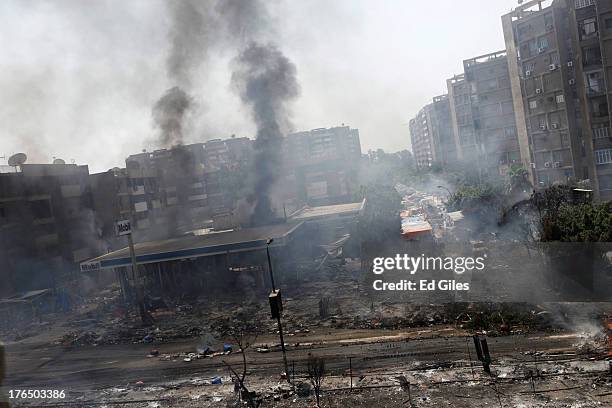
435, 362
549, 355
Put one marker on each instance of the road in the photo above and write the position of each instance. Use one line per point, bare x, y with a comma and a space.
91, 368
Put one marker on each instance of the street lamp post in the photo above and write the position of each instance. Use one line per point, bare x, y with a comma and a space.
276, 308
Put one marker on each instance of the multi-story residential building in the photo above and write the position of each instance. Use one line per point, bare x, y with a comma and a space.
239, 151
545, 77
421, 140
432, 136
111, 202
168, 190
460, 97
482, 113
322, 164
592, 36
222, 157
495, 146
47, 225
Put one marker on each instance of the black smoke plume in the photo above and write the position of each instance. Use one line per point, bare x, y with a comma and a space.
192, 24
190, 36
265, 80
169, 113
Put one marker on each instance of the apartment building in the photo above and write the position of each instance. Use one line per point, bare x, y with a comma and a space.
546, 80
431, 134
167, 190
592, 35
47, 225
460, 99
482, 114
220, 157
322, 164
495, 146
111, 197
228, 153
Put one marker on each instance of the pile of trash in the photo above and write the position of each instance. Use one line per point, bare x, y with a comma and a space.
200, 353
77, 338
592, 340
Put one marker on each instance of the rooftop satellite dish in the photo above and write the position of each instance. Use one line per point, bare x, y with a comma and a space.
59, 161
17, 159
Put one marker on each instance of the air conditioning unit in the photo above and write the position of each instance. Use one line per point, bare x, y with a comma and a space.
547, 165
541, 50
556, 165
572, 81
533, 165
552, 67
538, 90
570, 63
543, 127
527, 73
555, 126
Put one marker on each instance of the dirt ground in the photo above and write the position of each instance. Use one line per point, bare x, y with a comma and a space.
544, 355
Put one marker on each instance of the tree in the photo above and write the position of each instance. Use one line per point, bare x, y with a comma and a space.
316, 374
518, 181
243, 330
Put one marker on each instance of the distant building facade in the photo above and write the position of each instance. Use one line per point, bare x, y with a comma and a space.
322, 165
592, 34
167, 190
483, 117
47, 225
112, 202
431, 134
551, 91
543, 103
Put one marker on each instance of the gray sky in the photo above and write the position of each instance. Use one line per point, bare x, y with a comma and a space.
78, 78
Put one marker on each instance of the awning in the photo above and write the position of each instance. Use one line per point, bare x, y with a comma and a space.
187, 247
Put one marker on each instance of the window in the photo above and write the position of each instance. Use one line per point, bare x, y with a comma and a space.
543, 43
530, 67
601, 133
599, 108
594, 82
603, 156
583, 3
605, 182
588, 28
592, 56
542, 121
533, 104
609, 23
560, 98
565, 140
490, 84
41, 209
554, 59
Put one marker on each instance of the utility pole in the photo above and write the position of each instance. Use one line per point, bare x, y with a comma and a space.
276, 308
